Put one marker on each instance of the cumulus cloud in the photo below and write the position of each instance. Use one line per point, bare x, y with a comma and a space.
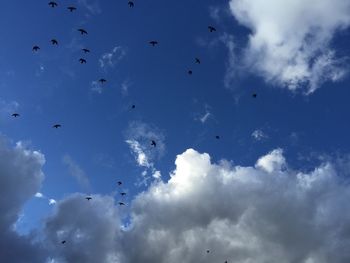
110, 59
76, 172
290, 40
20, 179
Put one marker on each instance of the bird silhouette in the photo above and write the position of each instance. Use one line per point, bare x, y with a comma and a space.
88, 198
122, 194
15, 115
153, 43
131, 3
54, 42
119, 183
82, 31
217, 137
71, 8
63, 242
153, 143
36, 48
56, 126
121, 203
197, 60
102, 81
208, 251
133, 106
189, 72
254, 95
82, 61
211, 29
85, 50
52, 4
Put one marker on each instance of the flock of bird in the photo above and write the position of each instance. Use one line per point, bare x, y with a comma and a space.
82, 60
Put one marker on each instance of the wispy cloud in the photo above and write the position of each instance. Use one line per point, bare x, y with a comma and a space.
259, 135
110, 59
92, 6
76, 172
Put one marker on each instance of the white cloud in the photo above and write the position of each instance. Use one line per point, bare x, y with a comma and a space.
76, 172
96, 87
290, 40
52, 201
259, 135
91, 5
39, 195
8, 107
110, 59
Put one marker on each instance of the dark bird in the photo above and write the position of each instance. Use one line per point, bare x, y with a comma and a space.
217, 137
63, 242
85, 50
153, 43
254, 95
71, 8
133, 106
121, 203
36, 48
197, 61
54, 42
153, 143
56, 126
122, 194
88, 198
119, 183
102, 81
82, 61
189, 72
211, 29
52, 4
15, 115
131, 3
208, 251
82, 31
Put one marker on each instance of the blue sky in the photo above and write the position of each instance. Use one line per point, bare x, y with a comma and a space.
296, 66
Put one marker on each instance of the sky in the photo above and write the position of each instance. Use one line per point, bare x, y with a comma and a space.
232, 177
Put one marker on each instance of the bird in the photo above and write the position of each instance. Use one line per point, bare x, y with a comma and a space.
82, 31
82, 61
133, 106
122, 194
56, 126
102, 81
71, 8
88, 198
54, 42
121, 203
153, 43
217, 137
52, 4
131, 3
211, 28
153, 143
254, 95
15, 115
64, 241
197, 60
85, 50
36, 48
189, 72
208, 251
119, 183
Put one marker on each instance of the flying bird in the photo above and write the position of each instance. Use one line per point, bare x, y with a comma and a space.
56, 126
71, 8
85, 50
54, 42
102, 81
217, 137
82, 61
211, 29
131, 3
15, 115
189, 72
122, 194
88, 198
121, 203
208, 251
133, 106
254, 95
36, 48
153, 43
52, 4
119, 183
63, 242
197, 61
153, 143
82, 31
